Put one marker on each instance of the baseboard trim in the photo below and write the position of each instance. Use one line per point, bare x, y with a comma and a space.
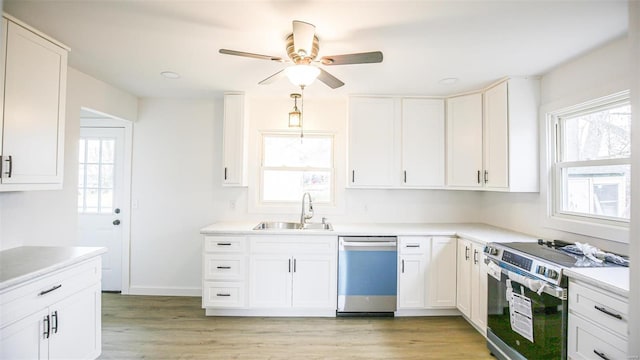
164, 291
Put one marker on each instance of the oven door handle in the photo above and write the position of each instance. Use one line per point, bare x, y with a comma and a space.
548, 288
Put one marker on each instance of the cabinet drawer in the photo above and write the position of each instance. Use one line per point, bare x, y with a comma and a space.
223, 294
23, 299
224, 267
607, 310
413, 245
587, 341
225, 243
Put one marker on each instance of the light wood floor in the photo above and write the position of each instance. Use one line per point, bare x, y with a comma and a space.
158, 327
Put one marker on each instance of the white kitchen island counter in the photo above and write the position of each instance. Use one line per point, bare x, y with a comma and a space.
25, 263
478, 232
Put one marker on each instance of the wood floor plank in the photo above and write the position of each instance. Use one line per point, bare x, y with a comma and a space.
158, 327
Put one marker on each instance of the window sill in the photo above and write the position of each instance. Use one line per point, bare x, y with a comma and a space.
585, 227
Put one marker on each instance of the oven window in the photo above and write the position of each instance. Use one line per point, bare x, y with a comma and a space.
549, 316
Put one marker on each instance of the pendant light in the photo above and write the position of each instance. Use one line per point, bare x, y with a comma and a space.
295, 116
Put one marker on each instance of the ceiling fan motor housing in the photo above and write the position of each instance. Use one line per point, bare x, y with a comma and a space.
301, 57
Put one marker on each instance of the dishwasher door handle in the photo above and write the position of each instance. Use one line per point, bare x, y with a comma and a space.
369, 244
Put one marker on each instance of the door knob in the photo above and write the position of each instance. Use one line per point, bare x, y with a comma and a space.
117, 211
116, 222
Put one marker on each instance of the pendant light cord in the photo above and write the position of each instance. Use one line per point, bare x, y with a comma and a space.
301, 112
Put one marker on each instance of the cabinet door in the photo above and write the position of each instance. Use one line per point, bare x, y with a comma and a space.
270, 281
412, 284
76, 326
478, 288
496, 138
314, 281
423, 142
442, 273
33, 124
463, 277
372, 142
25, 338
464, 141
234, 141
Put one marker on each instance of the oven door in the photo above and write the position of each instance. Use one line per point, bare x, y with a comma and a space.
536, 326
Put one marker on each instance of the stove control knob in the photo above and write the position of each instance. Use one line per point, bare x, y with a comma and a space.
491, 250
552, 274
541, 270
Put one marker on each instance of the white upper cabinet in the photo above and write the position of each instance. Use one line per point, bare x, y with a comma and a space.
234, 141
396, 142
464, 141
423, 142
34, 73
511, 136
492, 138
372, 142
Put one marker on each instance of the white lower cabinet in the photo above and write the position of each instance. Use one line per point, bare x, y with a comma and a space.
426, 272
293, 272
56, 317
269, 275
472, 283
597, 323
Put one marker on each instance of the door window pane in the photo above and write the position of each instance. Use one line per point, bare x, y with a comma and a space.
96, 175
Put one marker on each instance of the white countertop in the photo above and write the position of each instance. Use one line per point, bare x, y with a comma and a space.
478, 232
24, 263
613, 279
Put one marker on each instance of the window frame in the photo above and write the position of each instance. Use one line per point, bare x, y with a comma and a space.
262, 168
602, 226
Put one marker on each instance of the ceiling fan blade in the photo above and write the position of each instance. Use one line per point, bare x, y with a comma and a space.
250, 55
303, 34
273, 78
360, 58
330, 80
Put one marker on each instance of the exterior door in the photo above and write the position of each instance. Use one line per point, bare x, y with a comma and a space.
100, 197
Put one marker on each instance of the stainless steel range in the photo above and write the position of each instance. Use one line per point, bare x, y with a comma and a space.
527, 298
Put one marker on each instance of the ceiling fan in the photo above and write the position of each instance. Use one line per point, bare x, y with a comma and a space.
302, 49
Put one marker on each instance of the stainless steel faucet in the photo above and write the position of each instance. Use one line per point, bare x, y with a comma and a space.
304, 215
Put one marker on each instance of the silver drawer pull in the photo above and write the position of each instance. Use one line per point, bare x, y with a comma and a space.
223, 295
412, 246
45, 292
224, 267
602, 309
224, 244
600, 354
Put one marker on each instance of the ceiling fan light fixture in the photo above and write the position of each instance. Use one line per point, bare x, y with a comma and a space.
302, 75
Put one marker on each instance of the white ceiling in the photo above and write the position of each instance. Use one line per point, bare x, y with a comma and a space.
128, 43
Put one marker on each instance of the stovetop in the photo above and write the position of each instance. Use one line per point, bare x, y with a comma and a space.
543, 260
556, 255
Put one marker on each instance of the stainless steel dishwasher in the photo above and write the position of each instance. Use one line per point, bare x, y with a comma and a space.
367, 275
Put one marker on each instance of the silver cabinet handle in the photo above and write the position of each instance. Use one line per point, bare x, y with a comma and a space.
289, 265
353, 176
223, 295
405, 176
602, 309
486, 176
54, 319
475, 256
412, 245
466, 253
600, 354
223, 244
403, 266
224, 267
478, 176
9, 160
46, 327
294, 265
225, 173
53, 288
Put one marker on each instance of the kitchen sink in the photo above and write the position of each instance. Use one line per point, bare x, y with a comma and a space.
280, 225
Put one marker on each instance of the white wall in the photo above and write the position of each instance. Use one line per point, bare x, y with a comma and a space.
600, 72
50, 217
172, 193
634, 292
